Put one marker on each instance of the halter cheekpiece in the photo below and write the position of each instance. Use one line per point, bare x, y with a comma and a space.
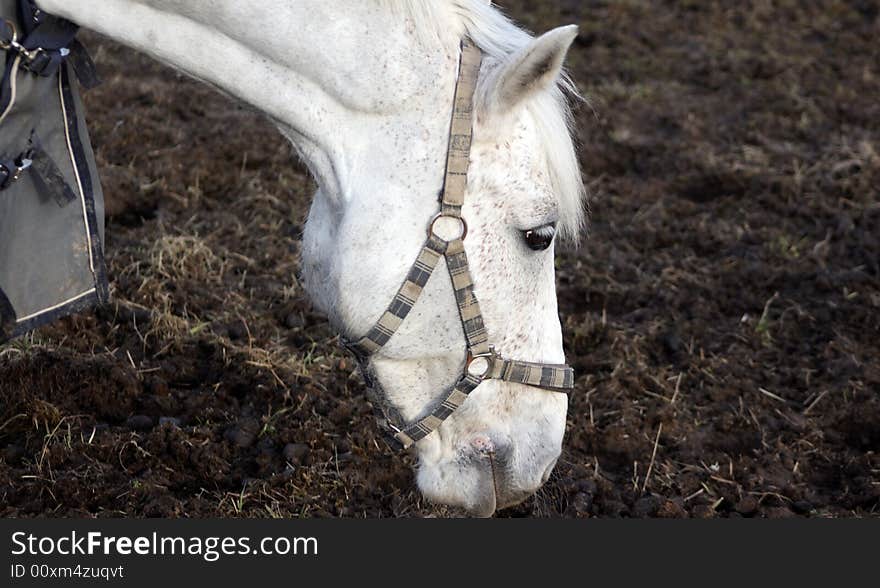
483, 362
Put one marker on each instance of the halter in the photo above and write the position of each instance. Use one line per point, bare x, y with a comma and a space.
483, 362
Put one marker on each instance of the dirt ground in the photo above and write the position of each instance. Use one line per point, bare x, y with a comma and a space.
723, 314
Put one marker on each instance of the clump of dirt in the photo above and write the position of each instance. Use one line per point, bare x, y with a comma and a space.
723, 313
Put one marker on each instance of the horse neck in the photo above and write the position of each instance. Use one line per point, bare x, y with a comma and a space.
331, 75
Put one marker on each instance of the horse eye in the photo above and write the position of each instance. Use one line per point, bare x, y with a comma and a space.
540, 238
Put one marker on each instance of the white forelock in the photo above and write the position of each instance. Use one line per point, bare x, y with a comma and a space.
499, 38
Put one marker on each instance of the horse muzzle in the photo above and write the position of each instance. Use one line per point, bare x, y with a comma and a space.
485, 477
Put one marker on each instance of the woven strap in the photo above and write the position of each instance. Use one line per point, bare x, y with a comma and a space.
558, 378
403, 301
468, 306
462, 131
539, 375
406, 436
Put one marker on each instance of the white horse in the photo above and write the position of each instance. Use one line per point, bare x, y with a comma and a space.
364, 91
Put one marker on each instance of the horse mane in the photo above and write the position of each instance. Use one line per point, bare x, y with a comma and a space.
499, 37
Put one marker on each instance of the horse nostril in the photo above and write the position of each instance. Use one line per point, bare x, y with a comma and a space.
483, 444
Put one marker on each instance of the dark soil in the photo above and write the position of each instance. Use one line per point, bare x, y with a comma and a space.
723, 313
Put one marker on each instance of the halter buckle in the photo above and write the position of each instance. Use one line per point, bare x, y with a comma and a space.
480, 365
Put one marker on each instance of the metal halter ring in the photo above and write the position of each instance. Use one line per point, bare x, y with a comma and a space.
433, 233
482, 364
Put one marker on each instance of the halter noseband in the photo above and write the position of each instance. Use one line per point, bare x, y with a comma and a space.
483, 362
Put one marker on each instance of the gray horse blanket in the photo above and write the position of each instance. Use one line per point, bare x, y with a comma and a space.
51, 204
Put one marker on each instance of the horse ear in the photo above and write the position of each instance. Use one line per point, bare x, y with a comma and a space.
535, 67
